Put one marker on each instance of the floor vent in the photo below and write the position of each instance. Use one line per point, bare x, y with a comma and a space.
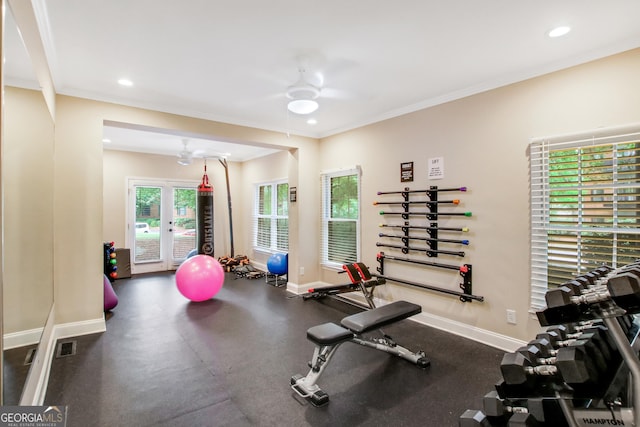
66, 348
31, 354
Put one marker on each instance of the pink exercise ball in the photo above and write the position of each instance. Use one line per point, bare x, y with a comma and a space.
199, 278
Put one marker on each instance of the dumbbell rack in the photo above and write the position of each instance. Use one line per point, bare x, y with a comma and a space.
432, 242
606, 299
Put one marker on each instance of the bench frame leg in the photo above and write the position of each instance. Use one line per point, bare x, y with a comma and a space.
387, 345
306, 386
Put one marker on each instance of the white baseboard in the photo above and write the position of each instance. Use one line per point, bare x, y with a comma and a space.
22, 338
297, 289
76, 329
483, 336
35, 388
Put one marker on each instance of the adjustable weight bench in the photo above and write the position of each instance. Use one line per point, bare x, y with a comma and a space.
328, 337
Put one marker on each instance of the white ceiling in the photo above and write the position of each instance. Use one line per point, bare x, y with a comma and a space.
232, 61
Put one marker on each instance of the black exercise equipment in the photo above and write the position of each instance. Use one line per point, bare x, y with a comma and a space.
327, 338
430, 252
429, 215
584, 367
434, 227
427, 239
618, 294
427, 192
361, 280
204, 216
500, 410
473, 418
465, 271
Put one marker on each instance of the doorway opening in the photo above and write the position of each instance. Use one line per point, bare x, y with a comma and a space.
161, 223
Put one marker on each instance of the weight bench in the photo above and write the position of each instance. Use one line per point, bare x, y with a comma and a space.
328, 337
360, 278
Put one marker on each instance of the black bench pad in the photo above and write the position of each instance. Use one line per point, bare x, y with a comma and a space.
381, 316
328, 334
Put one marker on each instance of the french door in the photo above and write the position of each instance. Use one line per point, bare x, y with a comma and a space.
161, 223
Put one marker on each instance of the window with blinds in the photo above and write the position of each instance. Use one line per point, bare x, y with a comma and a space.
271, 217
585, 200
340, 217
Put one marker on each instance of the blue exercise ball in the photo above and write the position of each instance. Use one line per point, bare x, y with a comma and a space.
278, 264
193, 252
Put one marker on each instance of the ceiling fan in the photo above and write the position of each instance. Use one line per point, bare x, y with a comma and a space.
185, 157
303, 95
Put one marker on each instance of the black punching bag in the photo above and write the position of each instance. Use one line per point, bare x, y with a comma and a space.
204, 218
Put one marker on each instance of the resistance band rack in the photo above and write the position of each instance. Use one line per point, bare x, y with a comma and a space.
432, 248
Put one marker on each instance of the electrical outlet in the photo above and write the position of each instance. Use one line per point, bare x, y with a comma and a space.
511, 317
302, 271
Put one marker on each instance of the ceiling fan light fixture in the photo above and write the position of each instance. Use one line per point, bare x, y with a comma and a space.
303, 98
302, 106
185, 159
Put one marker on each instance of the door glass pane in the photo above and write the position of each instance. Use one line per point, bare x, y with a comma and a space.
184, 221
147, 225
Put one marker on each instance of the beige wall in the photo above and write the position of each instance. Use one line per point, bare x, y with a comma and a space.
484, 140
28, 210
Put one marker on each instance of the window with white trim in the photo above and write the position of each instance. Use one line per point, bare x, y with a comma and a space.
340, 217
585, 206
271, 217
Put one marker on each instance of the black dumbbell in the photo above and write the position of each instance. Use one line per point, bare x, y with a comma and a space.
565, 305
586, 283
523, 420
473, 418
600, 335
501, 409
544, 356
624, 290
562, 336
595, 341
573, 365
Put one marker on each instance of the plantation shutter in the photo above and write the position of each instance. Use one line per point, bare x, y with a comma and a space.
585, 199
340, 234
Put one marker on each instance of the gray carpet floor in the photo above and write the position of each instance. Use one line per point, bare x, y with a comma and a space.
166, 361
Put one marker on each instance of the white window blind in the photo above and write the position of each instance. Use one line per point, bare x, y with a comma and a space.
585, 201
271, 217
340, 240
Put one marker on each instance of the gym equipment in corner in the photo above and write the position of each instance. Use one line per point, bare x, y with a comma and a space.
583, 368
277, 269
328, 337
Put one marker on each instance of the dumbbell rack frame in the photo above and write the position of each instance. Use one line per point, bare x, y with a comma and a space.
629, 351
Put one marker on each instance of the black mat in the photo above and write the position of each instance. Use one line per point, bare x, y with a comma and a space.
227, 362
